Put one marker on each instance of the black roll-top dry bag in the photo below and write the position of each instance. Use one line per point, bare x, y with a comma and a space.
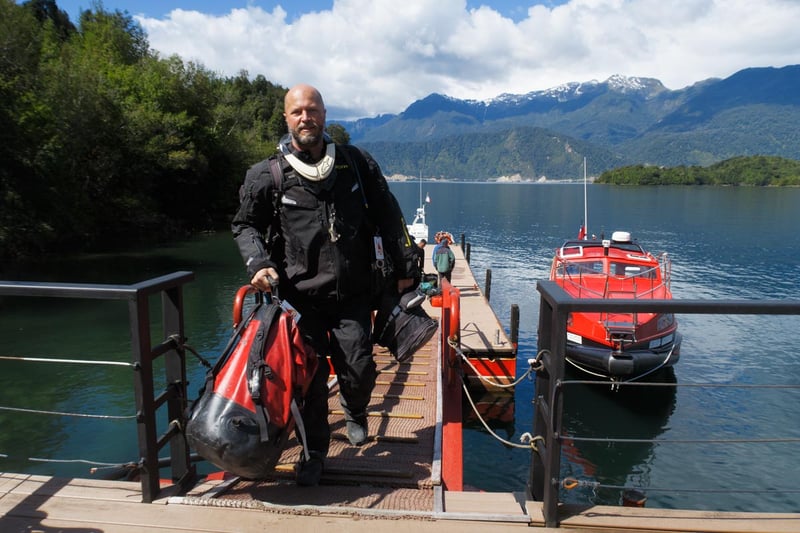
402, 325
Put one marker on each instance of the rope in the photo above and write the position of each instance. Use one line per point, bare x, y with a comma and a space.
782, 440
178, 343
453, 343
175, 339
82, 461
570, 483
689, 385
615, 383
107, 466
55, 360
525, 437
528, 441
61, 413
97, 465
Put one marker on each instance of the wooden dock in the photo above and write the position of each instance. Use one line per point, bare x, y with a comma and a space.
33, 504
392, 483
481, 331
483, 338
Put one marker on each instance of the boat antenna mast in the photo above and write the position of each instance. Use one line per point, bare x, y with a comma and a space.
420, 191
585, 204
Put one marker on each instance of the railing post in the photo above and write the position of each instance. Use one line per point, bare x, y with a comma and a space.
545, 470
139, 316
487, 291
514, 326
183, 471
536, 481
452, 456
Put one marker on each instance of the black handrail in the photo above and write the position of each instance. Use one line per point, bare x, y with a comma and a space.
143, 353
555, 306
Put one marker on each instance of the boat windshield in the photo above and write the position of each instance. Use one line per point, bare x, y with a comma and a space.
580, 268
630, 270
616, 268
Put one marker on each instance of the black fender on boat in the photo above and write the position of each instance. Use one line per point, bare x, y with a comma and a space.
625, 364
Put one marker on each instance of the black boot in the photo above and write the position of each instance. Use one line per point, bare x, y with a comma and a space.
309, 472
357, 431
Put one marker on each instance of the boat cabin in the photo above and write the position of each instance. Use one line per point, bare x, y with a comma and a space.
616, 267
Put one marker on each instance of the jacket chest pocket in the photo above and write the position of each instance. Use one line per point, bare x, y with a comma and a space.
303, 228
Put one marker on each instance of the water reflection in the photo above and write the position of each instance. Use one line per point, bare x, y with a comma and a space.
594, 411
495, 409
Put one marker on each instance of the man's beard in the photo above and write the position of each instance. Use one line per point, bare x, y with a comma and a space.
305, 140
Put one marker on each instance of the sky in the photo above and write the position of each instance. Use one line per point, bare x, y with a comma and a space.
369, 57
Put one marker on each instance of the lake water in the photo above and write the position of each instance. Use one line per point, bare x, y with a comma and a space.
724, 243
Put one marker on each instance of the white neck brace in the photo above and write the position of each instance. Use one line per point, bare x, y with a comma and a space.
317, 171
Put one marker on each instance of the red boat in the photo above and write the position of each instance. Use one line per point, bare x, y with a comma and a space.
617, 346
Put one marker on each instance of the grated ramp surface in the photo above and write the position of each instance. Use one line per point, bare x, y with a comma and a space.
393, 470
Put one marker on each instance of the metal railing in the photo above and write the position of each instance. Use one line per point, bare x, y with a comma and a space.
144, 353
555, 307
449, 300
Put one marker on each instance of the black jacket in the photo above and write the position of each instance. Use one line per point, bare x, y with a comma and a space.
298, 243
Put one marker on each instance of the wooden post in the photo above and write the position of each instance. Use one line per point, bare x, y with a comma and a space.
514, 326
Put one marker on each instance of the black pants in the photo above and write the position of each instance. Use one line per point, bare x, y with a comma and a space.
340, 330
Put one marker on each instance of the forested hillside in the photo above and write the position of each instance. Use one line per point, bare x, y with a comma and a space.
103, 143
751, 171
528, 153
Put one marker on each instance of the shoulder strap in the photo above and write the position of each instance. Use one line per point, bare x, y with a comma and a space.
276, 171
277, 180
259, 373
352, 164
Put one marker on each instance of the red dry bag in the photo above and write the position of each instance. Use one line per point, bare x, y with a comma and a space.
251, 398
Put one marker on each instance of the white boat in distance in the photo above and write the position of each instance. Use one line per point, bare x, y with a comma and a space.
419, 228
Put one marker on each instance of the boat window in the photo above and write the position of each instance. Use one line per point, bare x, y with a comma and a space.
630, 270
581, 268
618, 269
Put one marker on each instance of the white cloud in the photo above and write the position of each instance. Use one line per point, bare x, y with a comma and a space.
378, 56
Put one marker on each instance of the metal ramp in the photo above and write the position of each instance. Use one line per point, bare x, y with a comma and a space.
397, 469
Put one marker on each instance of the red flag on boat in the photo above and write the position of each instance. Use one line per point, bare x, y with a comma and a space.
582, 233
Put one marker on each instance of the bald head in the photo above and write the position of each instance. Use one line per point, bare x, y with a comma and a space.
304, 111
302, 91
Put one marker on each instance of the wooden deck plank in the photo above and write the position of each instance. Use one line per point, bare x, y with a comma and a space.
87, 506
653, 519
43, 504
485, 503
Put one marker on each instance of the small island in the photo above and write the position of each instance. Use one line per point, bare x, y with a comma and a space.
752, 171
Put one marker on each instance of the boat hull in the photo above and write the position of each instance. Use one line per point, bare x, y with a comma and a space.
617, 345
629, 364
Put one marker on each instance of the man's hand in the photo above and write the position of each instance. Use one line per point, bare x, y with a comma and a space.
264, 279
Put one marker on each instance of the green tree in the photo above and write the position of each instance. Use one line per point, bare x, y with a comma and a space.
23, 122
338, 133
47, 10
104, 143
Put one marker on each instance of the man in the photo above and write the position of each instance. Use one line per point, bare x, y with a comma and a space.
313, 230
421, 255
444, 259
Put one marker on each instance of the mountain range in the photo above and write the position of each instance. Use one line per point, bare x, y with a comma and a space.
620, 121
